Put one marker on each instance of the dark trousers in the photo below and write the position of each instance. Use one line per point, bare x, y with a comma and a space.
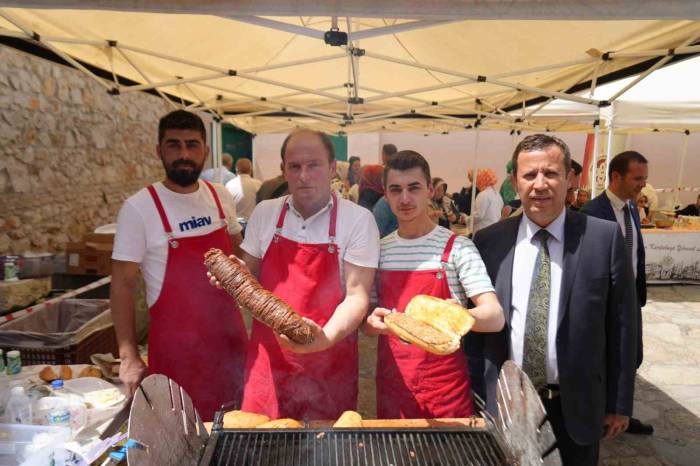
572, 454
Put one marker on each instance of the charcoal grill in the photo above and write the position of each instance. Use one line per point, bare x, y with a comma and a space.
354, 447
522, 436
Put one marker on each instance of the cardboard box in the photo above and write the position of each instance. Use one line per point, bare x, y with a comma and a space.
92, 256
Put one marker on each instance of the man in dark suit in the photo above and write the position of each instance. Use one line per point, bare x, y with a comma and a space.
627, 173
566, 288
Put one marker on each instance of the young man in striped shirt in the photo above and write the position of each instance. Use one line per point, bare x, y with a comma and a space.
423, 258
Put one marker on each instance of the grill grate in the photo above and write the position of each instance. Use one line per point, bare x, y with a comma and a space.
375, 447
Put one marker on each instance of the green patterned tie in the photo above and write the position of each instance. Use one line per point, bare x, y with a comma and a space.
535, 344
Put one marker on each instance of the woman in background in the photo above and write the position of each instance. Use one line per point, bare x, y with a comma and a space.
371, 185
444, 210
488, 203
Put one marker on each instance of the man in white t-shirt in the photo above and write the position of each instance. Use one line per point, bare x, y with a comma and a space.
196, 333
224, 171
423, 258
244, 188
318, 253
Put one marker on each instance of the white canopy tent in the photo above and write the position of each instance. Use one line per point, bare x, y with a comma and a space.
666, 99
430, 67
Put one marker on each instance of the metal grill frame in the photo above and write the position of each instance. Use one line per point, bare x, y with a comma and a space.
443, 448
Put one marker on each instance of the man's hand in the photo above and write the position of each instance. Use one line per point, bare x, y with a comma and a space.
614, 425
320, 343
131, 371
374, 325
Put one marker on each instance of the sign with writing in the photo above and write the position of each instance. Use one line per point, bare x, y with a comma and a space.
672, 257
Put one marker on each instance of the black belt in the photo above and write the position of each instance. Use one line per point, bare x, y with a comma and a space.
549, 392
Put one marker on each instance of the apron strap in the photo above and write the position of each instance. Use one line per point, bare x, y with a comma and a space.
222, 216
283, 213
331, 225
448, 249
161, 211
334, 218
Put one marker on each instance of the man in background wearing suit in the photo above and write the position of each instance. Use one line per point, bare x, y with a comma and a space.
566, 288
627, 173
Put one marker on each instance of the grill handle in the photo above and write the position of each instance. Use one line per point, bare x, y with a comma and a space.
218, 423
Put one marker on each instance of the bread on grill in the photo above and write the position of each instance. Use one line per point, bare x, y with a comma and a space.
263, 305
243, 420
285, 423
349, 419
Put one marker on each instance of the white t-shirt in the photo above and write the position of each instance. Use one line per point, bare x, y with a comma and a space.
466, 272
243, 188
488, 208
141, 237
357, 235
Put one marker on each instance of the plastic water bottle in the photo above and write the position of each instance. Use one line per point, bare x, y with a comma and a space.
59, 414
71, 404
19, 407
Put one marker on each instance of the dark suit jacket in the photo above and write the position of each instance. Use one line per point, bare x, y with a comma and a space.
601, 207
596, 336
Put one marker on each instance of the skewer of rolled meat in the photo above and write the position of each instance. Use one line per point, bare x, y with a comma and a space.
237, 280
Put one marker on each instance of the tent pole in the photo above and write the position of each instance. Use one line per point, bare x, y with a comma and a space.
215, 161
475, 171
651, 69
594, 162
608, 156
145, 78
395, 28
490, 80
684, 153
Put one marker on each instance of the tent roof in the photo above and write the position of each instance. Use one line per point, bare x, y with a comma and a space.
272, 73
667, 99
435, 9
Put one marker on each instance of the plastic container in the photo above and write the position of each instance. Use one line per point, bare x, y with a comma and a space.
20, 442
17, 260
19, 407
4, 395
14, 362
66, 333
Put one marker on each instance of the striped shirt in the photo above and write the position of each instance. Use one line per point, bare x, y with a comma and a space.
466, 273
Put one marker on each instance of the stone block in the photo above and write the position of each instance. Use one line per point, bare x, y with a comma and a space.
22, 293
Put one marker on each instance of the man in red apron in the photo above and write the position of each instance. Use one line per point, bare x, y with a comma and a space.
196, 334
319, 254
423, 258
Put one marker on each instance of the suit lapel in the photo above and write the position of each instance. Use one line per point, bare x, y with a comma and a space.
573, 229
504, 281
609, 212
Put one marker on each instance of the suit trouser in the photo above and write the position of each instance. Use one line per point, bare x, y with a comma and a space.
572, 454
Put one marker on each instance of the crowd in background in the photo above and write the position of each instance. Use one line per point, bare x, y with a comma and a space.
364, 185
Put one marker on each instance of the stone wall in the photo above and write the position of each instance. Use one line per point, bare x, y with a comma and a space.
69, 152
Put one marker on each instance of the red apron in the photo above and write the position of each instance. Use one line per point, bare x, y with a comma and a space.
281, 383
412, 383
197, 336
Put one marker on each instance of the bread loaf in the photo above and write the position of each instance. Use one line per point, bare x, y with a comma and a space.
432, 324
243, 420
47, 374
263, 305
349, 419
285, 423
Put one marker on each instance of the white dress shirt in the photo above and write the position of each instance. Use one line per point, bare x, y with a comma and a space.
617, 205
525, 255
243, 188
488, 207
357, 235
